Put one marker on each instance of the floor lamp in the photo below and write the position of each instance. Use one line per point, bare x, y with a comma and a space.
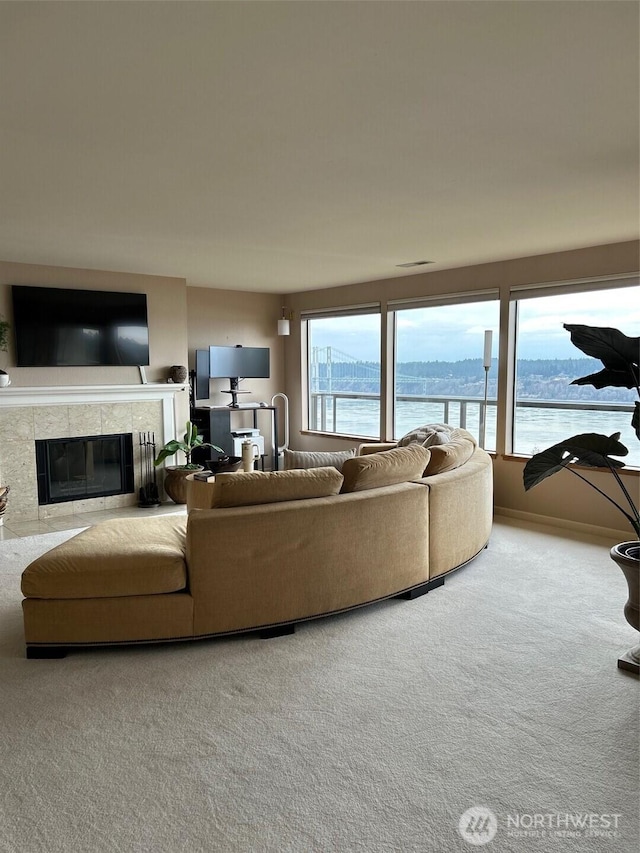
488, 337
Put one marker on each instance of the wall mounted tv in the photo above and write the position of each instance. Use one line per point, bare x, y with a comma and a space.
57, 327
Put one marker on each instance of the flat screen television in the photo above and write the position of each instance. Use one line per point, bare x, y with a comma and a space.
239, 362
56, 327
232, 363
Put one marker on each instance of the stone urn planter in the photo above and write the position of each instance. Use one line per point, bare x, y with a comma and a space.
175, 481
4, 497
627, 556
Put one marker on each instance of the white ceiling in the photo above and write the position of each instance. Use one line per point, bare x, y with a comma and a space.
285, 146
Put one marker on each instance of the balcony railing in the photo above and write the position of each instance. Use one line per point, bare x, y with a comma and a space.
539, 423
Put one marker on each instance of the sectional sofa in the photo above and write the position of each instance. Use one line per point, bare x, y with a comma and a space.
273, 549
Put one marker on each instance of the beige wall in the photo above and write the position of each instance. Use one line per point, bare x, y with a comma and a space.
560, 498
230, 317
167, 313
181, 320
166, 305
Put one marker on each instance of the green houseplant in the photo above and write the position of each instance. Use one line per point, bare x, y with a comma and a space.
175, 481
619, 355
4, 342
191, 440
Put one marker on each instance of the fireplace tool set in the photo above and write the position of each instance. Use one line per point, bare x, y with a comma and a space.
149, 490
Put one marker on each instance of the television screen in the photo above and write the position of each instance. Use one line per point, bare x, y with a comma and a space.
57, 327
239, 362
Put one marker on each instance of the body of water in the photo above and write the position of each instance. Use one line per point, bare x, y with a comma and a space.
535, 429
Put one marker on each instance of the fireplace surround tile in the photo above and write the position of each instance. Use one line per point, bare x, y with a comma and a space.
69, 411
86, 420
116, 417
17, 424
53, 422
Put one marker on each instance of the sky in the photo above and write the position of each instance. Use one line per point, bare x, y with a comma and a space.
456, 332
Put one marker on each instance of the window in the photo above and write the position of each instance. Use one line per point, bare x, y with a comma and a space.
439, 365
548, 408
344, 372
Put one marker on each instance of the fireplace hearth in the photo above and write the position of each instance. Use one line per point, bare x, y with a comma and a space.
90, 466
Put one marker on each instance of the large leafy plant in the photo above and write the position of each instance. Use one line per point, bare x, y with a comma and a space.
619, 355
190, 441
4, 334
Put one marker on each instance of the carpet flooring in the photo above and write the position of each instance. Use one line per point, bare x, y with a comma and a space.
371, 731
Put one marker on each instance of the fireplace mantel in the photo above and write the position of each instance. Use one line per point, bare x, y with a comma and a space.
51, 395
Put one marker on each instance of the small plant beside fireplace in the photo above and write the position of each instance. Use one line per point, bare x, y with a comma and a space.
4, 346
175, 484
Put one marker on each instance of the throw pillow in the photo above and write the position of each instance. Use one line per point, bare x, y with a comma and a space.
452, 455
247, 488
316, 458
427, 435
386, 468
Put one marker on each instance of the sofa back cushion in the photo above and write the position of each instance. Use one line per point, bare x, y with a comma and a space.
387, 468
294, 459
265, 487
446, 457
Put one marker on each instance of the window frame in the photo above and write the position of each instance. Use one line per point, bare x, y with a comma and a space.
519, 293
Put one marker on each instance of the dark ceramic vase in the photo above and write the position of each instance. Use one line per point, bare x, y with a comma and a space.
232, 463
178, 373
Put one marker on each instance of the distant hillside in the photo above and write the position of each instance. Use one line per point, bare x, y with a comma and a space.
537, 379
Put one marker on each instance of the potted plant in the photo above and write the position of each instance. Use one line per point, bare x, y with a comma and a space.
175, 482
619, 355
4, 346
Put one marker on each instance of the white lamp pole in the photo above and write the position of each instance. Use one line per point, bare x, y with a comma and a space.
488, 339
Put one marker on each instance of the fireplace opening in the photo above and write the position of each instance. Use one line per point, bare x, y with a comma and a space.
90, 466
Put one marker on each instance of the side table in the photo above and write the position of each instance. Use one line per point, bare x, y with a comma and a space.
199, 492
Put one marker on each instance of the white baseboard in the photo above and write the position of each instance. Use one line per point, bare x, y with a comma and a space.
565, 524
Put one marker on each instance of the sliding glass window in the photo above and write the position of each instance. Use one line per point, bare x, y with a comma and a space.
440, 364
344, 371
548, 408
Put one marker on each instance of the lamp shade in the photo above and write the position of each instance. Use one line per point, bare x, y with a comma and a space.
283, 327
488, 335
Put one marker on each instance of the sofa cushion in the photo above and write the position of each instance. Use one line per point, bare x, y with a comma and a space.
265, 487
386, 468
138, 556
427, 435
446, 457
316, 458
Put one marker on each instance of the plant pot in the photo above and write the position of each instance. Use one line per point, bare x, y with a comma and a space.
4, 497
627, 556
233, 463
175, 482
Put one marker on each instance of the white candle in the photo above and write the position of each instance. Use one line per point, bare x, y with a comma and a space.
488, 335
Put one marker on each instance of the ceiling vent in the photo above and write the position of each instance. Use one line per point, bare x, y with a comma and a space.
414, 264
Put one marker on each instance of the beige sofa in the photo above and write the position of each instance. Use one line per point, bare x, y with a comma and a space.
275, 549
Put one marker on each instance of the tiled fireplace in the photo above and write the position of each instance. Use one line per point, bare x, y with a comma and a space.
28, 415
